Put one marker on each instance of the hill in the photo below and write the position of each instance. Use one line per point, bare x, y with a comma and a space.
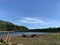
8, 26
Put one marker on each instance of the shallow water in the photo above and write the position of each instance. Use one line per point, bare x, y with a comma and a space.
20, 33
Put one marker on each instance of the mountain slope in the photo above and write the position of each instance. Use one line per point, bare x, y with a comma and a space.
8, 26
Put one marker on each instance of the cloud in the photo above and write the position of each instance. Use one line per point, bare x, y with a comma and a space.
35, 21
31, 20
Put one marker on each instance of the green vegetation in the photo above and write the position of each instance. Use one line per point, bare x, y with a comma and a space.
7, 26
46, 30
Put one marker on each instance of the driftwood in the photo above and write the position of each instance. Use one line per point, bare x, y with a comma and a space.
7, 40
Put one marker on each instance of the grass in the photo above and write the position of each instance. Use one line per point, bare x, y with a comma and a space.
43, 39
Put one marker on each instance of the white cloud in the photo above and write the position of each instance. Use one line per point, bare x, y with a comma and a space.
35, 21
31, 20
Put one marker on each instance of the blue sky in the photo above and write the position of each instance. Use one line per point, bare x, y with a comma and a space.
31, 13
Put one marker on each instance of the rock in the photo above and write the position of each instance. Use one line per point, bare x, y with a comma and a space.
24, 35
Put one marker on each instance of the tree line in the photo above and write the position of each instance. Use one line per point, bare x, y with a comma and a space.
8, 26
46, 30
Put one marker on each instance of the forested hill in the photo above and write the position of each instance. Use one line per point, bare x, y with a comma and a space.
8, 26
46, 30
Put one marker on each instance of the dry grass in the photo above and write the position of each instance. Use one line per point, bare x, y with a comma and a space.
43, 39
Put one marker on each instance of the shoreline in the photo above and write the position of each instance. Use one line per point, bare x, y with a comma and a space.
42, 39
7, 31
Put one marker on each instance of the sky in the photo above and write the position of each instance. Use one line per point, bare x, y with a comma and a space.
31, 13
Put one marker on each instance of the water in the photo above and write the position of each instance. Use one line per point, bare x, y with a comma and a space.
20, 33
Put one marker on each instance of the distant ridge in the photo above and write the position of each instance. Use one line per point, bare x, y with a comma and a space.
8, 26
